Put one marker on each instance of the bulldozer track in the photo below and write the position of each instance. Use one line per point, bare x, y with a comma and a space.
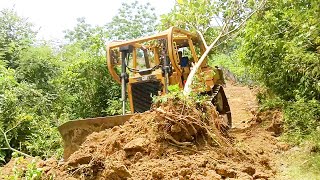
219, 100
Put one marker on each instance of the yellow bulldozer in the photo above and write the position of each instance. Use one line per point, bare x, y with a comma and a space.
146, 67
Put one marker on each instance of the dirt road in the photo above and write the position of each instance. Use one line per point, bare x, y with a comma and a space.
257, 132
243, 104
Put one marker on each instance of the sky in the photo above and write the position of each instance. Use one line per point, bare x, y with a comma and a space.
51, 17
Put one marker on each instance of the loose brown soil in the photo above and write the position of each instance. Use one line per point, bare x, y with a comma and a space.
180, 141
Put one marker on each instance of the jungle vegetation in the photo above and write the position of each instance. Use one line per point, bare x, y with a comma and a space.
43, 85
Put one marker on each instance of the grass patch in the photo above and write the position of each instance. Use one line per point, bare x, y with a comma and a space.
302, 130
302, 164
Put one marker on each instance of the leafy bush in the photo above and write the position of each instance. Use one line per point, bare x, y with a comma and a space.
302, 119
23, 111
38, 65
85, 87
281, 46
114, 107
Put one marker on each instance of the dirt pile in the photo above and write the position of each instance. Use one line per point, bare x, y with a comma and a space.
157, 144
173, 141
177, 140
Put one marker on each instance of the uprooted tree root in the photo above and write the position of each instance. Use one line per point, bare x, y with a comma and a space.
187, 124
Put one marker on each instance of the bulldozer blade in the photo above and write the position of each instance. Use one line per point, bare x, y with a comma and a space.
74, 132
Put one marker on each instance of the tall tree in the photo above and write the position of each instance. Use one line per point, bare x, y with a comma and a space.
16, 34
132, 20
207, 16
91, 39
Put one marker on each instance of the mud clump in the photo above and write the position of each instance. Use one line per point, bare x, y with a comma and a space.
273, 118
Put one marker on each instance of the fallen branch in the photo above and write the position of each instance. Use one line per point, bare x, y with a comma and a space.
8, 144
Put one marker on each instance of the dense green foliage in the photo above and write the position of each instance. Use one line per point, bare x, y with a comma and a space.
41, 86
302, 118
84, 87
25, 113
38, 65
281, 46
26, 97
16, 34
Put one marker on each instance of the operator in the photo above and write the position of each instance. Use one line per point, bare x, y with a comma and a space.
184, 64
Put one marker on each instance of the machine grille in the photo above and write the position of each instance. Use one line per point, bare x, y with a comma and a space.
142, 94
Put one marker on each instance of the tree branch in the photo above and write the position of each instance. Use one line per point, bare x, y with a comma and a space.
8, 144
246, 19
223, 32
203, 40
187, 87
12, 127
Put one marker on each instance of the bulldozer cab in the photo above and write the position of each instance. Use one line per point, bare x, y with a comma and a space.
151, 51
153, 63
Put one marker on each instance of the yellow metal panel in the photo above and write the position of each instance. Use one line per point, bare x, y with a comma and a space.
193, 51
171, 53
130, 98
134, 57
110, 66
156, 55
161, 35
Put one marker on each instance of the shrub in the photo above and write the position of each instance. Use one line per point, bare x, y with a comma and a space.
24, 115
281, 47
302, 119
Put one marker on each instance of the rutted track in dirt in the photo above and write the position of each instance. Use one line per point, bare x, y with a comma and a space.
242, 102
138, 150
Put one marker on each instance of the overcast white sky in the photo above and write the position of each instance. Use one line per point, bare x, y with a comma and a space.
54, 16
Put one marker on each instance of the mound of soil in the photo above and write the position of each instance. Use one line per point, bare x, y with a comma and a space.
175, 140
